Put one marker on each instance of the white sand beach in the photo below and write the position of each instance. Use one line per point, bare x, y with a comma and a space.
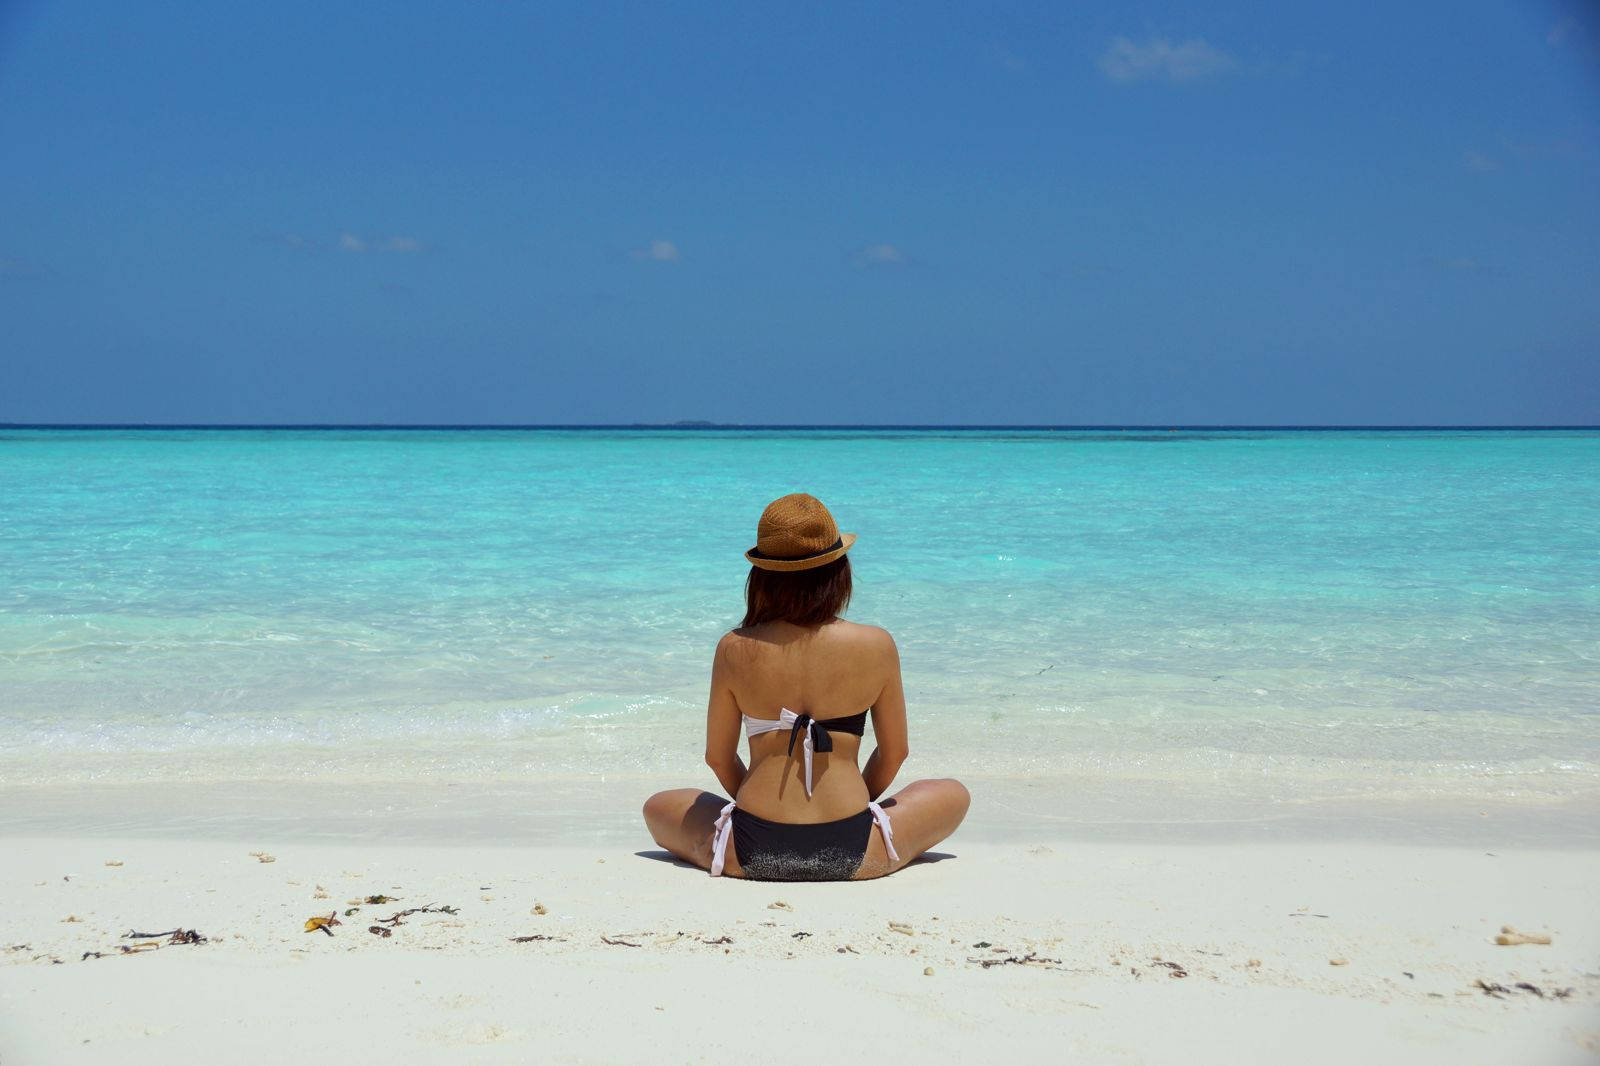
1092, 952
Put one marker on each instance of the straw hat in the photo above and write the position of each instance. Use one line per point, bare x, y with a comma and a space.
797, 533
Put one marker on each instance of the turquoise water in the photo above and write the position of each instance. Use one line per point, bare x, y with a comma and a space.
1295, 617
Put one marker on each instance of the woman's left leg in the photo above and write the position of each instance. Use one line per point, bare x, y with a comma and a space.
921, 814
682, 819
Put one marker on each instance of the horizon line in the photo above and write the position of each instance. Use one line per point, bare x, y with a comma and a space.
692, 426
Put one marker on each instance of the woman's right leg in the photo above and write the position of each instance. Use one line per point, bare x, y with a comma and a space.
681, 820
922, 814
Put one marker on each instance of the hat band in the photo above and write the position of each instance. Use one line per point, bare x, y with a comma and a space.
757, 553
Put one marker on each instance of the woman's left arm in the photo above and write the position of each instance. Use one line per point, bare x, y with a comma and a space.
722, 725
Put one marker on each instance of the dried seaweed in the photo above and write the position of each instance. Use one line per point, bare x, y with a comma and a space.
535, 936
1021, 960
175, 936
394, 919
1496, 990
148, 942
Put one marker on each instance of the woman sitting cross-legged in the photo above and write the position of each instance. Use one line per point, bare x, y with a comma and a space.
798, 676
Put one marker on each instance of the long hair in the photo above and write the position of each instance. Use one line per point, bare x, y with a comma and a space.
803, 597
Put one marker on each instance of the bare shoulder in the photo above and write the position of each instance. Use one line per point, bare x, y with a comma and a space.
874, 639
734, 641
728, 648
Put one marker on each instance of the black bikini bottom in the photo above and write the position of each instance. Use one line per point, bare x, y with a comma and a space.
787, 851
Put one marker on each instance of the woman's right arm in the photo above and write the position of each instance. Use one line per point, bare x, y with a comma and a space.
722, 725
888, 726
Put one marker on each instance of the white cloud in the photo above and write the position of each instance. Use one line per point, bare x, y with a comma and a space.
398, 245
1473, 159
1160, 59
657, 251
882, 253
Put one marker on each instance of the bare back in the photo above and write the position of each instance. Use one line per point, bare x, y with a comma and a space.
833, 671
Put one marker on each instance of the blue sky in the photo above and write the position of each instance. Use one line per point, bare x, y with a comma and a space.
546, 213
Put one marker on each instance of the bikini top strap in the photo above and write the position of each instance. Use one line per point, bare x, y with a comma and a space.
813, 735
854, 724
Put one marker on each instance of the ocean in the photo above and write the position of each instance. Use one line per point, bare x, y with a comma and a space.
1109, 628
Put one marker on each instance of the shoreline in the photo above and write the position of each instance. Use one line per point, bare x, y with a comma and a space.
635, 961
603, 811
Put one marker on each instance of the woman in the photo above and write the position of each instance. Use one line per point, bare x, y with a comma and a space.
799, 675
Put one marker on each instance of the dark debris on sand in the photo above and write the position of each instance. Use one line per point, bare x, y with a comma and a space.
147, 942
1495, 990
1030, 959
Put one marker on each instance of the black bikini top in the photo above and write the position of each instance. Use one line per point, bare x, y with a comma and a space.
814, 735
855, 725
803, 725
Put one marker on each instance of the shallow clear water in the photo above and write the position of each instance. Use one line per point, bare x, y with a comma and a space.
1284, 617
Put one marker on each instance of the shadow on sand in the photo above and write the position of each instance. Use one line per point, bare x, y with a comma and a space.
659, 855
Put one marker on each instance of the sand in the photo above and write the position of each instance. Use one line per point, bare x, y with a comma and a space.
1098, 952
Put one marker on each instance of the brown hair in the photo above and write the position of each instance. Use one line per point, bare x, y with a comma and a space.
803, 597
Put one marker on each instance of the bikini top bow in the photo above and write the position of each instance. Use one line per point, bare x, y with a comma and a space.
812, 734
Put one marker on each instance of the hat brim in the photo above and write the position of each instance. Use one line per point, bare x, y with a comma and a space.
810, 561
